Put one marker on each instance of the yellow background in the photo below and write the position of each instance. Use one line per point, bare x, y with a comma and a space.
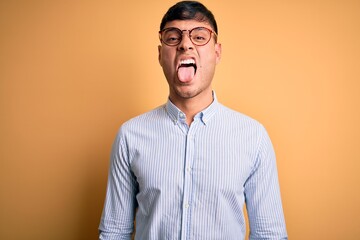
72, 71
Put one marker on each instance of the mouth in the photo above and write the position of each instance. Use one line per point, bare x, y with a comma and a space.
186, 70
188, 63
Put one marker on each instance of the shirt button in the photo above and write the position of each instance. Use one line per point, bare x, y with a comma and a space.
182, 115
188, 169
187, 205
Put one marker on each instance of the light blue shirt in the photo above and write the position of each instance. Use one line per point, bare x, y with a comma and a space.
182, 182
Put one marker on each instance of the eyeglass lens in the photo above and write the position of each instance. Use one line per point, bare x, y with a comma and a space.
199, 36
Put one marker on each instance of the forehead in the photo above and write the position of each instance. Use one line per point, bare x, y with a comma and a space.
187, 24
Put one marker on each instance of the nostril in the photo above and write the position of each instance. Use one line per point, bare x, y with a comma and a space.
185, 47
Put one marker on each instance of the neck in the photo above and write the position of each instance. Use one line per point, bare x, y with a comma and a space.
194, 105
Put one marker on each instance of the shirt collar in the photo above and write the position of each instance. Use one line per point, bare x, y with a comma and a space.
205, 115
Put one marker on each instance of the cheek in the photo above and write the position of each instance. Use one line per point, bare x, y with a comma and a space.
165, 59
166, 62
208, 55
208, 64
208, 61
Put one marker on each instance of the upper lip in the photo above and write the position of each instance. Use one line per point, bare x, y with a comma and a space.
186, 60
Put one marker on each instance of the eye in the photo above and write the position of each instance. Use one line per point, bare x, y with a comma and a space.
171, 36
172, 39
200, 36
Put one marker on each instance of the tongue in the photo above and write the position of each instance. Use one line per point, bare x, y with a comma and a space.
186, 74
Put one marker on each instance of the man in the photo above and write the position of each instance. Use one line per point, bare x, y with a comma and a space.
186, 169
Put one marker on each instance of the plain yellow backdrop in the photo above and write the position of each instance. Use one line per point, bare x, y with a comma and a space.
71, 72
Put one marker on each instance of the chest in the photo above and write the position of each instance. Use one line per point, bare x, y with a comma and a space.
212, 161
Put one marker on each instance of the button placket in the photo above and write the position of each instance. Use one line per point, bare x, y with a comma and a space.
188, 178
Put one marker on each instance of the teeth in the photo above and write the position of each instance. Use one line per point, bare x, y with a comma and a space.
187, 61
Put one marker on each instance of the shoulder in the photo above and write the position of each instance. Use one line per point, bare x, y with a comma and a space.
154, 113
145, 121
241, 125
236, 118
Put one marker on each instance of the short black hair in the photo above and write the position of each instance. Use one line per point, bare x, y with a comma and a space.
189, 10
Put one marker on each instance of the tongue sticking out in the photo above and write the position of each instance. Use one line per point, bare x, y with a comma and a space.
186, 74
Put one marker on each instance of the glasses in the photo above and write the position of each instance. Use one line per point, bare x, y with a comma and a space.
199, 36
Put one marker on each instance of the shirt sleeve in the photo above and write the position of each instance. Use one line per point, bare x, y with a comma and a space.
117, 220
262, 195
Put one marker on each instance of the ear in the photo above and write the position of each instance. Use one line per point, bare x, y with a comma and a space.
159, 54
218, 52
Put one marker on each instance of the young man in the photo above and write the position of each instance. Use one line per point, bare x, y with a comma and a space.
186, 169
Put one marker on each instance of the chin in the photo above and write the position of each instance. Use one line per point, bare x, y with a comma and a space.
187, 94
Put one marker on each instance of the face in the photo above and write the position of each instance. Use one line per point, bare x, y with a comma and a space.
189, 69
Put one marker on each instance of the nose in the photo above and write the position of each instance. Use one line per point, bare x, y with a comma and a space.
186, 42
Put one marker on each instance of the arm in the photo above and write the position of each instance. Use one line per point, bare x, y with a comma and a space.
262, 195
117, 220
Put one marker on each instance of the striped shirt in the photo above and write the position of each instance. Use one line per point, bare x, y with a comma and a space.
191, 182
